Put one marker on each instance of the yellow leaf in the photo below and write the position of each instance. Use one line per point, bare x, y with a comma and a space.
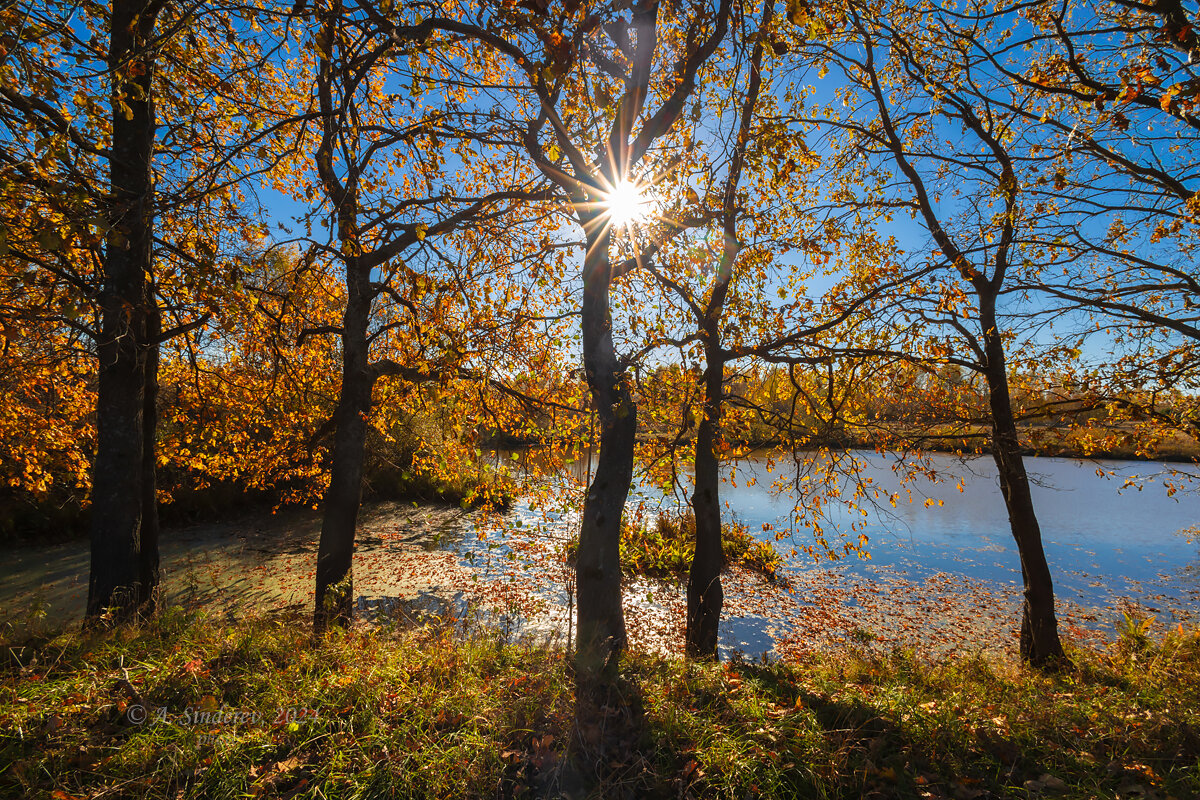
1167, 97
795, 12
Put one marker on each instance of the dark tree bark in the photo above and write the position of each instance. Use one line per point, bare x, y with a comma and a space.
601, 618
118, 489
335, 553
705, 596
335, 576
148, 562
1040, 645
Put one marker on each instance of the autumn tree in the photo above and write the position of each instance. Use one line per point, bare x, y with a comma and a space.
46, 427
705, 595
597, 87
245, 397
748, 308
399, 179
92, 167
633, 110
40, 105
911, 86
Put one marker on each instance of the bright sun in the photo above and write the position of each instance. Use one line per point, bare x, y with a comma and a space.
627, 204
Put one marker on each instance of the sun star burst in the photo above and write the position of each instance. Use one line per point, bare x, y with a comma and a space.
628, 204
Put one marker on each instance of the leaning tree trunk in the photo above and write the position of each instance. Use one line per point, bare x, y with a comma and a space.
600, 617
705, 597
118, 489
335, 555
1040, 645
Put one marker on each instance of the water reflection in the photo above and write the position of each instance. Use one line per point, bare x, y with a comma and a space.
950, 570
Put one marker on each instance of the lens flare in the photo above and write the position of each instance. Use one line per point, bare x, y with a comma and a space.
628, 204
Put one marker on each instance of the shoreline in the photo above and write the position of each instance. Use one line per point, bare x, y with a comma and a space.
947, 445
248, 505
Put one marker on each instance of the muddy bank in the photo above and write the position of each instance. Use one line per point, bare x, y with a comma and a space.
258, 561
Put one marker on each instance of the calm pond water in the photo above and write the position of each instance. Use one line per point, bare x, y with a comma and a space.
951, 570
1101, 540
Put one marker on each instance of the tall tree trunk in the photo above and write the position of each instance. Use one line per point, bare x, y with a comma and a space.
148, 563
600, 617
116, 523
1040, 645
705, 597
335, 555
117, 488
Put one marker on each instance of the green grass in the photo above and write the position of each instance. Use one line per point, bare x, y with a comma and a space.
437, 711
473, 486
663, 547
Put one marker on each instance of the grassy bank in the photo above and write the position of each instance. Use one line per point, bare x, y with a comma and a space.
664, 544
436, 712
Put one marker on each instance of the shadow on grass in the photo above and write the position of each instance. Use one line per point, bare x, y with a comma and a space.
429, 709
